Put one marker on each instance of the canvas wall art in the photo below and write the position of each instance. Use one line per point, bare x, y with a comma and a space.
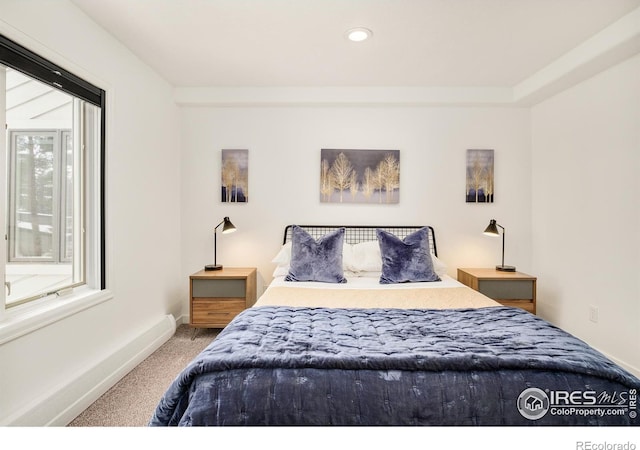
359, 176
480, 188
235, 176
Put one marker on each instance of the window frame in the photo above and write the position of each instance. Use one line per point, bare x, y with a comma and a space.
59, 189
19, 320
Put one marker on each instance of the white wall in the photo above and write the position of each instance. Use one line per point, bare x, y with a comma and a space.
586, 210
143, 214
163, 195
284, 170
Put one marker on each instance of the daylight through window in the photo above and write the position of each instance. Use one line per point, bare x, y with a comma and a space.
54, 156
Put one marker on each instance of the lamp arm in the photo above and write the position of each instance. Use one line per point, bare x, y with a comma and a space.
215, 246
503, 233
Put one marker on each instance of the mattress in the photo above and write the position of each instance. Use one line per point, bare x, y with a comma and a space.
367, 292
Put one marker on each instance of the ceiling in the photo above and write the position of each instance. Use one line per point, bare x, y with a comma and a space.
301, 43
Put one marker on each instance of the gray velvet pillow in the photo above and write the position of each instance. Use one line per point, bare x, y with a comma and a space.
408, 260
319, 260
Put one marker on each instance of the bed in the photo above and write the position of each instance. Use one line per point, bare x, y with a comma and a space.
347, 336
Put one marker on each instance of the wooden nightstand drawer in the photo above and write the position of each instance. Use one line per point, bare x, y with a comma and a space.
218, 288
527, 305
513, 289
218, 312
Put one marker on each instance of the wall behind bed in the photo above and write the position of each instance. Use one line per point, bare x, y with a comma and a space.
284, 152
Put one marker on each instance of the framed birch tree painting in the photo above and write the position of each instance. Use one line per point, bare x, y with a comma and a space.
479, 176
359, 176
235, 176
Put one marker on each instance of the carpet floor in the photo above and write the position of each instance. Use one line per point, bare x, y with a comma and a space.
132, 401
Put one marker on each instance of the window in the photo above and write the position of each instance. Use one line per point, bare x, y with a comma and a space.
41, 196
54, 189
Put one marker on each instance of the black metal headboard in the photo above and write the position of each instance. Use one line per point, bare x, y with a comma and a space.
355, 234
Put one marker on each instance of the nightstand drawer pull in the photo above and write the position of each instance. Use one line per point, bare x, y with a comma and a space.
218, 288
501, 289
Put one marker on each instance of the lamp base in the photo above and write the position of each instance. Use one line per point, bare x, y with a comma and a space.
213, 267
506, 268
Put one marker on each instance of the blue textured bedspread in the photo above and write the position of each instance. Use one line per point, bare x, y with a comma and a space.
322, 366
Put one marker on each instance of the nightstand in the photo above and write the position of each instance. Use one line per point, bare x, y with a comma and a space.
507, 288
217, 296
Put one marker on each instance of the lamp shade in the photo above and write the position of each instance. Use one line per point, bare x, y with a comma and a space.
227, 226
492, 229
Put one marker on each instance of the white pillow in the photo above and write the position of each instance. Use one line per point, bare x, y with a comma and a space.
365, 257
281, 271
363, 274
439, 267
284, 255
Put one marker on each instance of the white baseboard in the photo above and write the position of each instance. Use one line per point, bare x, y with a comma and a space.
182, 319
64, 404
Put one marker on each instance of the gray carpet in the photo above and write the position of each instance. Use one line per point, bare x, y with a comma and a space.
131, 402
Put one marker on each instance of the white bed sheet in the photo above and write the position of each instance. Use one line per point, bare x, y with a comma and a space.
367, 292
370, 282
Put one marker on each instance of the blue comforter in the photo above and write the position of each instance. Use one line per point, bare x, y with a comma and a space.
322, 366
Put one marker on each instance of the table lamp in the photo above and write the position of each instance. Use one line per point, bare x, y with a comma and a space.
227, 227
492, 230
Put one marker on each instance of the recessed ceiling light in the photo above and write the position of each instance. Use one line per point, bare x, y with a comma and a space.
358, 34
